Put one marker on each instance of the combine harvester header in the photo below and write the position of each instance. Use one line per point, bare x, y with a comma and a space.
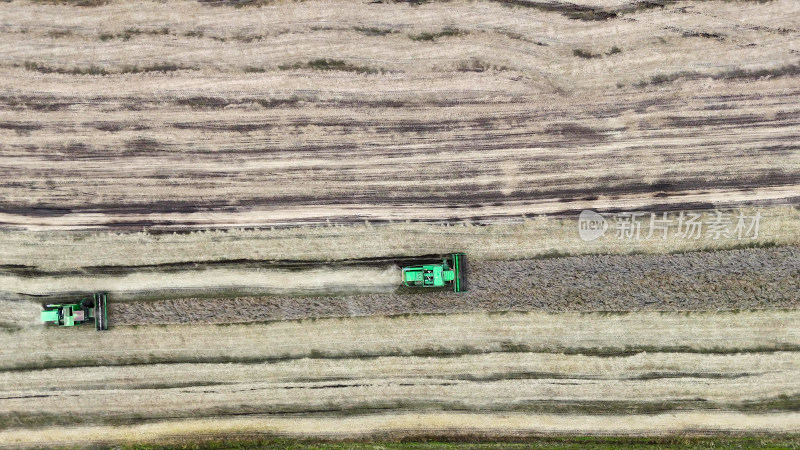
451, 272
89, 309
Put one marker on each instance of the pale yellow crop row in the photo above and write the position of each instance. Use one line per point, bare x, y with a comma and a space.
519, 239
476, 366
413, 423
456, 333
312, 281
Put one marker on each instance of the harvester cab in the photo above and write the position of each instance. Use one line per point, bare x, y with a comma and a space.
87, 310
449, 273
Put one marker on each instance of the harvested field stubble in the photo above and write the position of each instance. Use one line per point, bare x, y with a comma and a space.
452, 334
721, 371
521, 239
409, 427
152, 284
297, 117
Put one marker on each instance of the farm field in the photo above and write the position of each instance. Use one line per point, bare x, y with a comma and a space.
520, 372
244, 292
170, 114
246, 178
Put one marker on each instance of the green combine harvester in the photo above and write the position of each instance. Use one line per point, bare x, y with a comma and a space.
89, 309
94, 309
449, 273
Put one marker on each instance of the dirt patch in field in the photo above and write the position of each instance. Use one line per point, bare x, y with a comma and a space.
727, 280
